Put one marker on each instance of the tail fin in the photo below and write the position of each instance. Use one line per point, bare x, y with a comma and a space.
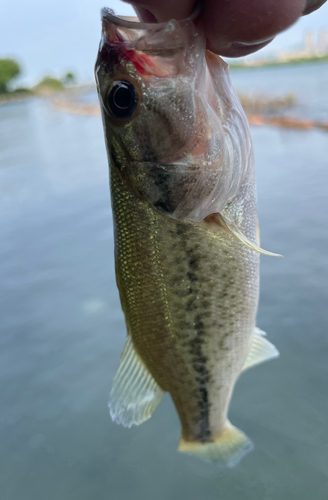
226, 449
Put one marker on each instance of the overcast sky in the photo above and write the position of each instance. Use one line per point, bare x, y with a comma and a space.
56, 37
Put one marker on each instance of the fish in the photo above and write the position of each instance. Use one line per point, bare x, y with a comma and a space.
187, 247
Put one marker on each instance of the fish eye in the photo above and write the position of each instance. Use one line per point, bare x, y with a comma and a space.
122, 99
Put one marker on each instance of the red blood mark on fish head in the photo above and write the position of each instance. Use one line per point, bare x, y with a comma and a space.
118, 47
115, 52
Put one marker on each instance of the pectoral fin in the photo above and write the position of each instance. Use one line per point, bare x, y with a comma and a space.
261, 350
135, 394
235, 231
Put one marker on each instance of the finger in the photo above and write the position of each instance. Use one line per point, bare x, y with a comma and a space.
312, 5
144, 15
238, 27
164, 10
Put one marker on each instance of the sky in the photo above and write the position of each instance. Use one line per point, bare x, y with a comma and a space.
52, 38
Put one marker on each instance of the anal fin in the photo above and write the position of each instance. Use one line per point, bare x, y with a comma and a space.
135, 394
261, 350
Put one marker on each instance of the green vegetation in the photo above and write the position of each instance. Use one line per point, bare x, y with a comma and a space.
69, 78
21, 90
9, 69
255, 104
50, 84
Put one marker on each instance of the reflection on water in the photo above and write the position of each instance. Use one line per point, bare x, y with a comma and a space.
62, 329
308, 83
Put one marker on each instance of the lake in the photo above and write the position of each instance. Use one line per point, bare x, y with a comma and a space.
62, 328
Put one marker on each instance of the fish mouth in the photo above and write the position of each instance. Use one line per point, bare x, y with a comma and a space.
131, 22
155, 39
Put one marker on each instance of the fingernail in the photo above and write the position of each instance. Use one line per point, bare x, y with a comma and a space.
312, 5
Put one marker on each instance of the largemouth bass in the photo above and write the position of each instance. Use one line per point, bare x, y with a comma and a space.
186, 232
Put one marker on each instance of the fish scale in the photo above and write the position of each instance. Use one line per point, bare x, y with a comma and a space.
182, 287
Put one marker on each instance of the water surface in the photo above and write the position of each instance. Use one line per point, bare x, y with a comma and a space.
62, 329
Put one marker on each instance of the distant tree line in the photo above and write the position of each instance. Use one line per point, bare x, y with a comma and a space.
55, 84
10, 69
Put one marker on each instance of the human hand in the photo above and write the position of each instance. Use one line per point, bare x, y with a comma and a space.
234, 28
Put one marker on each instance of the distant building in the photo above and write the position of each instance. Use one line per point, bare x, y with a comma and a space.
323, 42
313, 46
309, 44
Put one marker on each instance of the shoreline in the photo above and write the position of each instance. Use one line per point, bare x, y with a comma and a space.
253, 119
44, 93
65, 101
271, 64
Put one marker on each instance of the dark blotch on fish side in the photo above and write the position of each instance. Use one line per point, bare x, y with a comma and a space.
199, 365
164, 206
205, 432
193, 264
201, 369
115, 159
165, 201
195, 345
199, 324
192, 276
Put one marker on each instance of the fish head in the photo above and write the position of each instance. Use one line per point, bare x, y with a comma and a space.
146, 88
162, 117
